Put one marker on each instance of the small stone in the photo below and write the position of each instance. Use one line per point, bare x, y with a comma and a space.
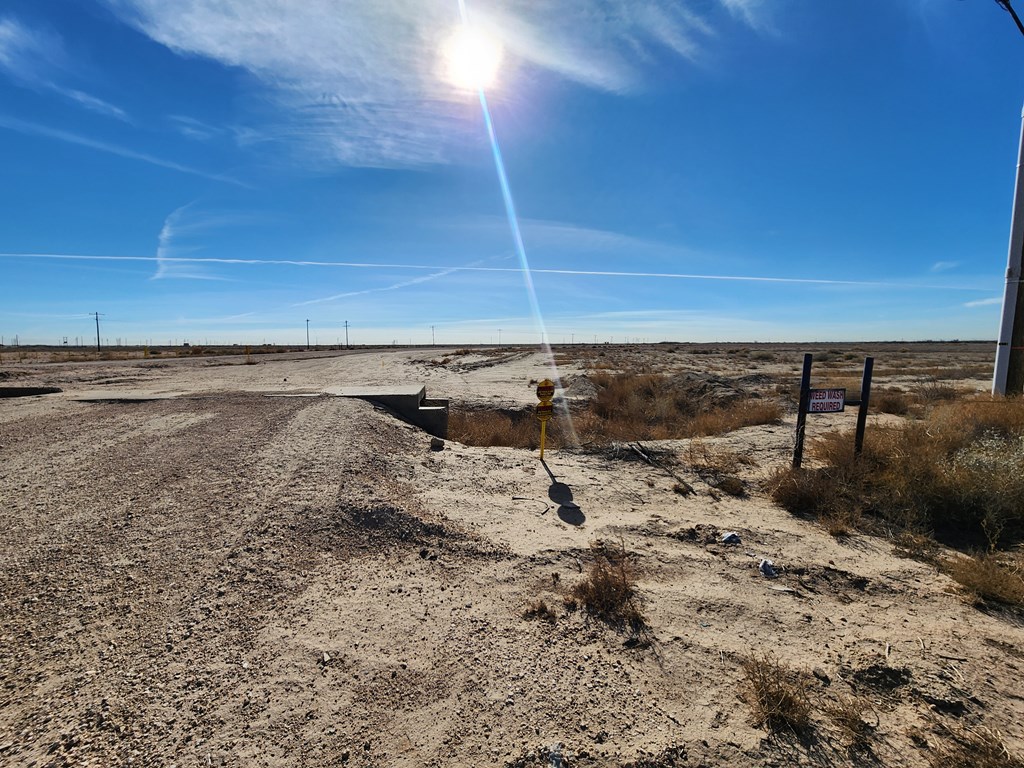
436, 444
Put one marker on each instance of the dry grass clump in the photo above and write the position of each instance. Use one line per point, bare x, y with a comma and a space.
653, 406
608, 591
848, 715
958, 472
539, 609
747, 413
517, 429
731, 486
642, 406
981, 748
893, 401
988, 578
780, 697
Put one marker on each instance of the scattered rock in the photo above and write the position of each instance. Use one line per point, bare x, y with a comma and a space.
436, 444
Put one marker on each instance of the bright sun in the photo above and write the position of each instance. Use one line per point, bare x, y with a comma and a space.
471, 59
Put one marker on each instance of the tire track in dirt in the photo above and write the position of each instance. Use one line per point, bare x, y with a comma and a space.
147, 567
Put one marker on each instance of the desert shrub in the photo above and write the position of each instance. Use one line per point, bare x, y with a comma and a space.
779, 696
987, 578
519, 429
644, 406
891, 401
979, 748
936, 391
608, 590
539, 609
731, 485
958, 472
848, 715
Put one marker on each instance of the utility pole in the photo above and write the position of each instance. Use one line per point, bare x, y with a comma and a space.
1009, 369
499, 337
1008, 377
431, 335
307, 334
346, 335
97, 314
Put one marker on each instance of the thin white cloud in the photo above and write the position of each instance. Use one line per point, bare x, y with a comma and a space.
984, 302
194, 129
358, 83
470, 268
750, 11
180, 235
944, 266
393, 287
96, 105
34, 129
36, 58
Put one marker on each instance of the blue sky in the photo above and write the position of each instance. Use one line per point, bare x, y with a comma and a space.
255, 165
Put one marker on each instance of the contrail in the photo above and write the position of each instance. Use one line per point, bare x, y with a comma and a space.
394, 287
22, 126
449, 269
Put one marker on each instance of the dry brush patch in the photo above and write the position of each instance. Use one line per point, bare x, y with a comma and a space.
956, 475
779, 697
645, 406
981, 748
958, 472
608, 590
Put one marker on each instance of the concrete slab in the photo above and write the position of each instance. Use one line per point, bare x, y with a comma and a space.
407, 401
399, 390
128, 396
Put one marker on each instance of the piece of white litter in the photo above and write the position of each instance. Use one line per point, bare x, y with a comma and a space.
767, 568
731, 537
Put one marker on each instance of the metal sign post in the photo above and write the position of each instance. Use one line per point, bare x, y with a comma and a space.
801, 415
862, 409
830, 401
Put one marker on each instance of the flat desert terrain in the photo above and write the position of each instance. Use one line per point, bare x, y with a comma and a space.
195, 572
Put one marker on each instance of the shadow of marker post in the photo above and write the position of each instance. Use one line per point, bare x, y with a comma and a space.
560, 493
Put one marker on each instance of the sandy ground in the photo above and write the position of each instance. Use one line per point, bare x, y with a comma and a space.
226, 578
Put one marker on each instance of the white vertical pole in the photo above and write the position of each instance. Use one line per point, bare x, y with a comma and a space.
1011, 299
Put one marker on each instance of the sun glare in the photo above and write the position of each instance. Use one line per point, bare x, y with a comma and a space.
471, 59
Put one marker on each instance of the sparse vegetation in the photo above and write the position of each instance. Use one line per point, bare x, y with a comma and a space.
539, 609
731, 486
608, 590
958, 472
847, 713
979, 748
780, 696
625, 407
892, 401
987, 578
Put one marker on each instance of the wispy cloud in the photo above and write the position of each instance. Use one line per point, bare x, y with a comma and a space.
393, 287
34, 129
182, 233
195, 129
358, 83
447, 269
944, 266
36, 58
984, 302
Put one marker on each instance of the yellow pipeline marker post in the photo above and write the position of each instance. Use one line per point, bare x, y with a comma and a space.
545, 391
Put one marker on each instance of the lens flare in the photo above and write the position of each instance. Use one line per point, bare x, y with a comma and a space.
471, 59
517, 239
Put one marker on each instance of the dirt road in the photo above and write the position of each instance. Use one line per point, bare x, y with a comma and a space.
232, 579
